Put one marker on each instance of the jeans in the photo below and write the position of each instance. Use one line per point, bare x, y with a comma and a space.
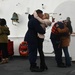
58, 51
67, 56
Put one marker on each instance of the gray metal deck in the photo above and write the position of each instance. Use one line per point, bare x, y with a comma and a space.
20, 66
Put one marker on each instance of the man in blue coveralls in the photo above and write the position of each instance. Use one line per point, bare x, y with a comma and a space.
34, 27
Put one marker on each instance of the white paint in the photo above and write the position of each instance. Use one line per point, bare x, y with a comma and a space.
67, 10
22, 7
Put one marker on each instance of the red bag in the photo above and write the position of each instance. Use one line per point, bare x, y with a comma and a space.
10, 48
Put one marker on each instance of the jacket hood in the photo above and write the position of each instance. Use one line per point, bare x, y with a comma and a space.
30, 16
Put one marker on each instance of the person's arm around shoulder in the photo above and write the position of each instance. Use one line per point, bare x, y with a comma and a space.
64, 30
38, 18
47, 22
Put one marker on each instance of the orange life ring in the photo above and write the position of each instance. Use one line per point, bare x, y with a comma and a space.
23, 48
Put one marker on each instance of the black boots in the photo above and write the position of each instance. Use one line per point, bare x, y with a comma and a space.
35, 68
43, 67
62, 65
